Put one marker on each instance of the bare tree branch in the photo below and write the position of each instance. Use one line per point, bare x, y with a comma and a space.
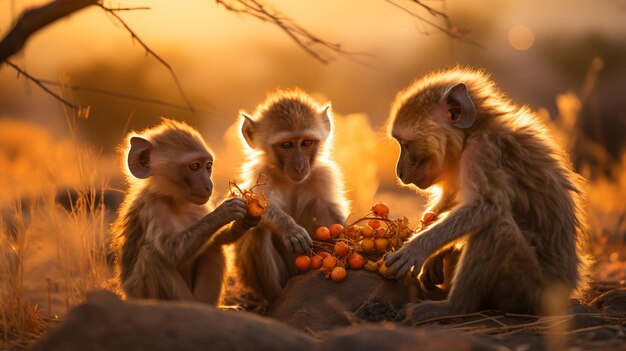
120, 95
40, 84
151, 52
449, 29
120, 9
36, 18
301, 36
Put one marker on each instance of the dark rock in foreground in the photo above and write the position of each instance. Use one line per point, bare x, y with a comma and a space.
312, 302
107, 323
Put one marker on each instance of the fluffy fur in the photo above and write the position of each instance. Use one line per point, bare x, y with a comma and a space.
166, 243
296, 208
508, 189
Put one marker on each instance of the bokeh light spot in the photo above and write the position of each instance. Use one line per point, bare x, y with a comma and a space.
521, 37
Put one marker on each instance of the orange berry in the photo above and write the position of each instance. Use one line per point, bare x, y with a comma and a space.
404, 233
322, 233
341, 248
338, 274
256, 207
323, 254
381, 210
383, 269
367, 244
329, 262
356, 261
353, 232
429, 217
371, 266
316, 261
374, 223
366, 231
380, 233
303, 262
335, 229
381, 244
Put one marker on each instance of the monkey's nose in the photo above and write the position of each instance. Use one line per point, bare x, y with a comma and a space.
400, 175
299, 168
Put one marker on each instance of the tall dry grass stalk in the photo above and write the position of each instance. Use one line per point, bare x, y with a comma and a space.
19, 319
50, 255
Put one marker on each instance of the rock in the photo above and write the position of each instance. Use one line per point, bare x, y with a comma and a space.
312, 302
611, 302
107, 323
393, 337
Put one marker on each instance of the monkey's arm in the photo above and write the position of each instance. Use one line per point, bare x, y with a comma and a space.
179, 248
294, 236
463, 220
232, 233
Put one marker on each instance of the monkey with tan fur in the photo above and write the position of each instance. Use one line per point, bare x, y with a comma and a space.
167, 242
288, 136
508, 192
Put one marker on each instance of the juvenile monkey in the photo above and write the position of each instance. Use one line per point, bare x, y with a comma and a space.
288, 136
509, 192
167, 242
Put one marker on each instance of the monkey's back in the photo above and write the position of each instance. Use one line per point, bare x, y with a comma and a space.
128, 235
135, 258
546, 200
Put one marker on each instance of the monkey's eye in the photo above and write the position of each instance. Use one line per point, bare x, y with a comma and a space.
209, 166
307, 143
403, 144
286, 145
194, 166
455, 113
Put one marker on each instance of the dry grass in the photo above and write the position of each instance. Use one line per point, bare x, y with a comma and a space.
51, 255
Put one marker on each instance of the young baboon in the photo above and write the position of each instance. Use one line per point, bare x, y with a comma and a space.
509, 192
288, 135
165, 238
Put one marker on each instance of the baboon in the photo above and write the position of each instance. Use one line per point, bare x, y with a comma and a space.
167, 242
509, 192
288, 139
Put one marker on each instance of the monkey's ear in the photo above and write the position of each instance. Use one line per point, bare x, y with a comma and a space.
325, 114
460, 106
139, 157
248, 129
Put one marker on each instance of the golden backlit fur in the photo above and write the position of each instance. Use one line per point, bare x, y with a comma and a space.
296, 208
508, 190
166, 246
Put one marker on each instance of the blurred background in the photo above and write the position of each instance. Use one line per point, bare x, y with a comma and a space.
564, 58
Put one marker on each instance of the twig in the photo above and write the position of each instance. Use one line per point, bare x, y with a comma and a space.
150, 52
449, 30
119, 9
120, 95
301, 36
39, 83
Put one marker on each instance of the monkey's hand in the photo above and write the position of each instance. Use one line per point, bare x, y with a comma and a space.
401, 261
231, 209
249, 221
297, 239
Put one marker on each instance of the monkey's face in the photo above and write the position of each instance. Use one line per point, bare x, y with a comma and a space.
419, 163
295, 156
195, 171
423, 146
430, 127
